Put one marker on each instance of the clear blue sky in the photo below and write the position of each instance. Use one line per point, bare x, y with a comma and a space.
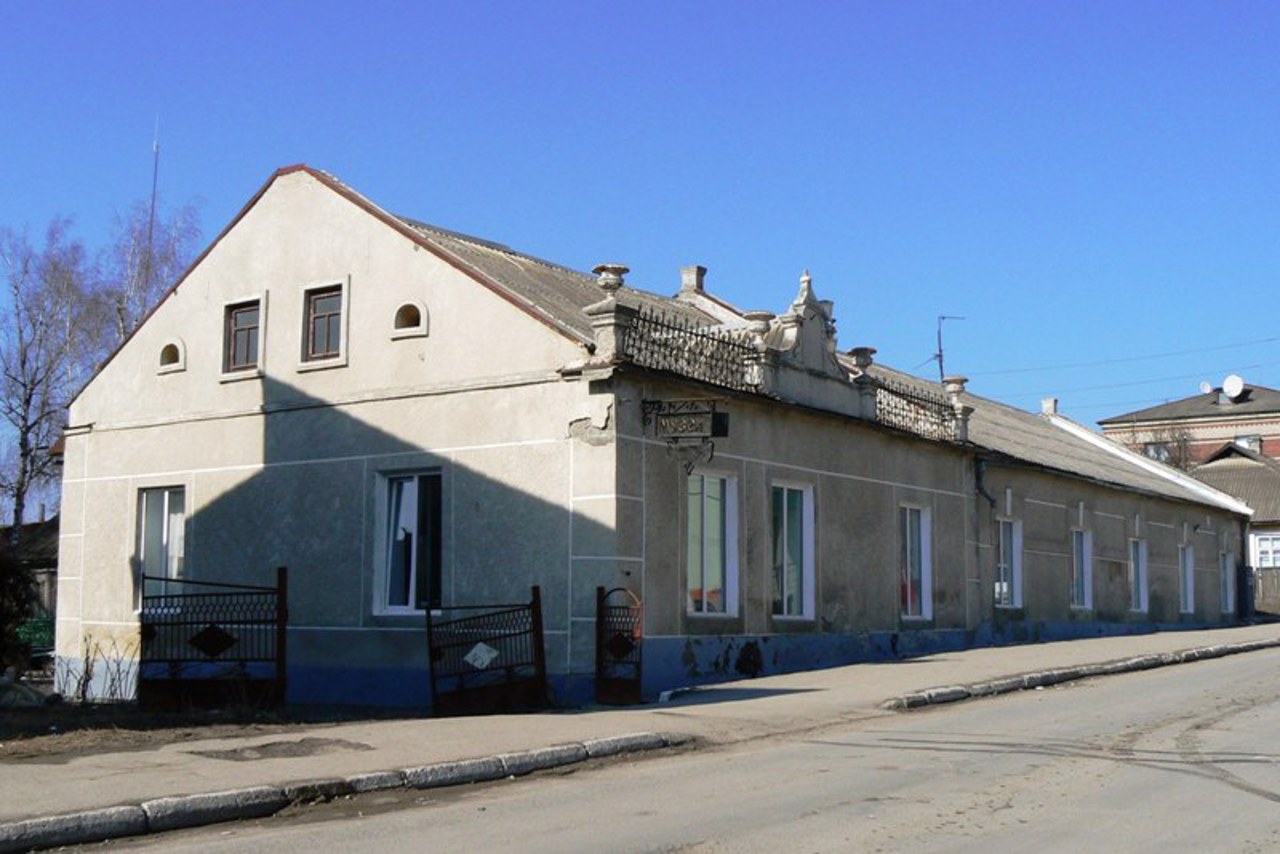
1089, 184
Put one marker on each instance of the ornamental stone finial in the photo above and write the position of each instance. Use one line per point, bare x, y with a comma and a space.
610, 276
862, 357
806, 289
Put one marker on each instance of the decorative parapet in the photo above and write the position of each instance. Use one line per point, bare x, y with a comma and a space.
791, 357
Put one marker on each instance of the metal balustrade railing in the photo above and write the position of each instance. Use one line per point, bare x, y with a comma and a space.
664, 342
915, 410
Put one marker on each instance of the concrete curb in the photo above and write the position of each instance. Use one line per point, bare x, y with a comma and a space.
1045, 678
163, 814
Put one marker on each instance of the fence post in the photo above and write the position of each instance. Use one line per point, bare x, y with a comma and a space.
599, 639
282, 633
539, 648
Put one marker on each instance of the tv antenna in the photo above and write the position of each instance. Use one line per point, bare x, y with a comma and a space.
151, 216
942, 373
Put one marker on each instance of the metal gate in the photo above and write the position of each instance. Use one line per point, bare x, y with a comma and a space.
619, 646
491, 659
207, 643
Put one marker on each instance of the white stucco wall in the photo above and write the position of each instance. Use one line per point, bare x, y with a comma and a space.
283, 467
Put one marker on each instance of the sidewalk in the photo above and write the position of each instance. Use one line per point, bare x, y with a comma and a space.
181, 785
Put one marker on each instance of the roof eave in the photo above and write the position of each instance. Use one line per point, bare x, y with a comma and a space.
1209, 494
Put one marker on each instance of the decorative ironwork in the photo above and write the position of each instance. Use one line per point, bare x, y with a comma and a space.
195, 643
213, 640
489, 659
664, 342
915, 410
619, 646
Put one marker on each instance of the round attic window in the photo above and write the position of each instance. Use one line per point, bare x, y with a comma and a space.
173, 357
408, 316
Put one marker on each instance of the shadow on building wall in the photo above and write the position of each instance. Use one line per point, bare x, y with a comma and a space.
319, 506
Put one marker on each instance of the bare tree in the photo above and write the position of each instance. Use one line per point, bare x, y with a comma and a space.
151, 249
47, 346
1170, 444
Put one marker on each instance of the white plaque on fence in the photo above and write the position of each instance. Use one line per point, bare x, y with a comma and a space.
481, 656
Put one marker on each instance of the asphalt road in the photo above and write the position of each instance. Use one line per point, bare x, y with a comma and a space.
1176, 759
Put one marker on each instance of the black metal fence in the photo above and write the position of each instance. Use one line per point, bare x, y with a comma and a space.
211, 643
915, 410
667, 343
487, 658
619, 646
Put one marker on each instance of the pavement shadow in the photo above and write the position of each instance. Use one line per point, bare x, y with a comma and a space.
698, 696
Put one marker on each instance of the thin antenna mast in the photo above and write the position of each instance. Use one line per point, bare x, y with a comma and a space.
144, 293
151, 218
942, 373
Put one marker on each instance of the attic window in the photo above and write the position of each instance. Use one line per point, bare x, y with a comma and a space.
173, 357
410, 321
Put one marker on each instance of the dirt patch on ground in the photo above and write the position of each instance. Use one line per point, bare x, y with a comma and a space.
307, 746
65, 731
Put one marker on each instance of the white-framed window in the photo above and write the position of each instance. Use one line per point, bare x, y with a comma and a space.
242, 325
791, 511
1157, 451
1081, 568
1008, 586
1268, 549
324, 326
1227, 582
1138, 575
711, 544
1186, 579
162, 513
411, 545
915, 561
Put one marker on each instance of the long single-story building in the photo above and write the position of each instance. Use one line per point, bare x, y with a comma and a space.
413, 420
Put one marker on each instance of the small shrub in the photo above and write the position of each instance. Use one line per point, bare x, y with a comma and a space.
17, 599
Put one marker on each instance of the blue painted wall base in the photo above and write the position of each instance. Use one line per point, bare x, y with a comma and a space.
682, 662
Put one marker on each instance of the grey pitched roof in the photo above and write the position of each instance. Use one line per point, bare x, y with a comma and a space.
1032, 438
1247, 475
550, 289
1254, 400
552, 292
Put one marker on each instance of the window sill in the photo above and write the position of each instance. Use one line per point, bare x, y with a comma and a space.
916, 618
323, 364
711, 615
1017, 606
411, 332
792, 618
237, 376
171, 369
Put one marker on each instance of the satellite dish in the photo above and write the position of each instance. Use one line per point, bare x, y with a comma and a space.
1205, 388
1232, 386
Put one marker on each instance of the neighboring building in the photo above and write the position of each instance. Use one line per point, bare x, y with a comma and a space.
37, 553
409, 418
1229, 438
1188, 431
1255, 480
